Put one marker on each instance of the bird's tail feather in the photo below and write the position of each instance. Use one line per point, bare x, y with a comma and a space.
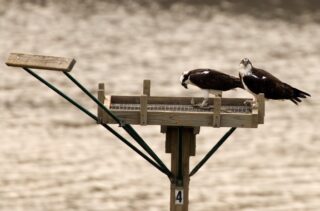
297, 94
300, 93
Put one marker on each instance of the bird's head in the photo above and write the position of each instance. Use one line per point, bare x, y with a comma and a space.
245, 66
245, 63
184, 79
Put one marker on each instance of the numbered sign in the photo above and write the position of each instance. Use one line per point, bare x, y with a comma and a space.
179, 195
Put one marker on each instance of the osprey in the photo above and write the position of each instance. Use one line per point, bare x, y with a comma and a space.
258, 81
210, 81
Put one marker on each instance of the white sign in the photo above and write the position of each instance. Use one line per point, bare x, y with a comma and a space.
179, 195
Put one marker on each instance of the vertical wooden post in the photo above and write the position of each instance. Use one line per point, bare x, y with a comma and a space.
146, 87
216, 111
261, 108
143, 109
101, 98
179, 193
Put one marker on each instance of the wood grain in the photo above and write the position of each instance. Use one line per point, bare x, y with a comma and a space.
40, 62
185, 119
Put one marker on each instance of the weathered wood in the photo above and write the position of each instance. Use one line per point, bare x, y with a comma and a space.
175, 100
168, 149
169, 136
216, 118
143, 110
146, 87
261, 108
172, 140
192, 144
255, 116
163, 129
186, 119
196, 130
101, 98
40, 62
216, 111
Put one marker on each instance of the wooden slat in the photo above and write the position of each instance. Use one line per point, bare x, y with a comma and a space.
101, 98
192, 151
216, 111
196, 130
143, 109
163, 128
175, 100
186, 119
40, 62
261, 108
146, 87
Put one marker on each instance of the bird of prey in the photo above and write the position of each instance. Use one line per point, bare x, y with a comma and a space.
257, 81
210, 81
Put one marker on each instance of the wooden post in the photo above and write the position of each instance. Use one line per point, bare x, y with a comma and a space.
261, 108
179, 193
101, 98
143, 110
146, 87
216, 111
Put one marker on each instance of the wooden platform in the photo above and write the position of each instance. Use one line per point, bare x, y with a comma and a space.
178, 111
40, 62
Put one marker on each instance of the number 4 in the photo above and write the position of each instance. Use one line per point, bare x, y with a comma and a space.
179, 196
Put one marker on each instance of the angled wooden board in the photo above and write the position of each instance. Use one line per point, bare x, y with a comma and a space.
40, 62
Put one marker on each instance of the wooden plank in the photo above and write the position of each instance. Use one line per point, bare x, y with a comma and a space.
40, 62
146, 87
163, 128
196, 130
187, 137
101, 98
175, 100
168, 149
186, 119
192, 150
143, 110
216, 111
169, 136
261, 108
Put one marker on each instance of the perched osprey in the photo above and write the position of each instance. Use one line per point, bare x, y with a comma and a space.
210, 81
258, 81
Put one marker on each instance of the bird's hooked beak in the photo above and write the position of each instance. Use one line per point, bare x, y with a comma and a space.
183, 79
184, 85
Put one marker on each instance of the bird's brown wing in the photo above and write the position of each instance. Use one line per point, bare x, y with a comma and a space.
260, 81
212, 79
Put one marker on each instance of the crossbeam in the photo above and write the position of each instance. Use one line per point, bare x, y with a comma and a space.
40, 62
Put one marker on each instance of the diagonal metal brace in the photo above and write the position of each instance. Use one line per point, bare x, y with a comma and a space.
70, 100
212, 151
127, 127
